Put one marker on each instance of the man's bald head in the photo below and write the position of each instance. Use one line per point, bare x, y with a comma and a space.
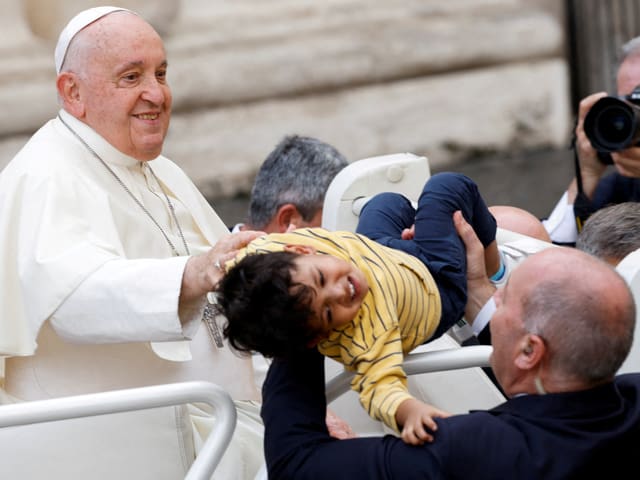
518, 220
582, 308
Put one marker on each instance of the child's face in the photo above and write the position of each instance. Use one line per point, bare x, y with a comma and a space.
338, 289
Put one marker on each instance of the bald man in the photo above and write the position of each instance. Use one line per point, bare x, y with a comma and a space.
519, 220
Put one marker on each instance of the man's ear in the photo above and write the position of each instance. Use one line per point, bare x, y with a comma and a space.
69, 93
531, 353
300, 249
287, 215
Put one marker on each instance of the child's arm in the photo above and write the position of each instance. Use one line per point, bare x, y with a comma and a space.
382, 383
379, 379
413, 416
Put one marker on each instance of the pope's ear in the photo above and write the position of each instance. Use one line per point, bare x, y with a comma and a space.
300, 249
69, 93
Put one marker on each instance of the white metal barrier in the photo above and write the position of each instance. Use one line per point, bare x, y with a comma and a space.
425, 362
117, 401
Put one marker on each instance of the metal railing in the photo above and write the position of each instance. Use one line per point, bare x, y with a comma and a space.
118, 401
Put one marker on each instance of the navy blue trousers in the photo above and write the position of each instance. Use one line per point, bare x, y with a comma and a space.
436, 242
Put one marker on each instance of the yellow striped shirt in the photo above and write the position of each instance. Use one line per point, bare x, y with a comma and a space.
401, 311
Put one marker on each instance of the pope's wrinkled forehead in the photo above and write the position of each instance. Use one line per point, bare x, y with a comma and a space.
75, 25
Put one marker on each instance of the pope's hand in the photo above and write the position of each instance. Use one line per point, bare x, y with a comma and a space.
202, 273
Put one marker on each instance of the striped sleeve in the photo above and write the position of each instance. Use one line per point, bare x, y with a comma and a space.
381, 380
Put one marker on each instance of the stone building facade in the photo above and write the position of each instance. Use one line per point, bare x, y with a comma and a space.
449, 80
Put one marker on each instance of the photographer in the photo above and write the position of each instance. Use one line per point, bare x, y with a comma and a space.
595, 187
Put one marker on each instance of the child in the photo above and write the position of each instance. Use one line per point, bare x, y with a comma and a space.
365, 298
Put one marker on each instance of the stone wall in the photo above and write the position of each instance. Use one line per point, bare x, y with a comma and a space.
450, 80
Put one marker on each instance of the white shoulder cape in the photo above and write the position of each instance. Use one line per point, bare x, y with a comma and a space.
62, 216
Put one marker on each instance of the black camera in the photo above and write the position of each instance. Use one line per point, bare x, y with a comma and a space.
613, 123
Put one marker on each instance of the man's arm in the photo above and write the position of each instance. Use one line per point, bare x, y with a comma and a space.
118, 296
298, 445
293, 411
129, 300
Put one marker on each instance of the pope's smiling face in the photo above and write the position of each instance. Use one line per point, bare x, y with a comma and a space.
123, 89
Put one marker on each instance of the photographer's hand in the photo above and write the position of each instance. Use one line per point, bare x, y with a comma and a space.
591, 168
627, 162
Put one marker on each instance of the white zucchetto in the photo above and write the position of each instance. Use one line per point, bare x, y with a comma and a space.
77, 23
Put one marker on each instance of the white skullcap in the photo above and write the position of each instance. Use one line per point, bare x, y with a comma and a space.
77, 23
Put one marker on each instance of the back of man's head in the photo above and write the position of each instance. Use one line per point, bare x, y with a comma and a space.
298, 171
584, 311
612, 232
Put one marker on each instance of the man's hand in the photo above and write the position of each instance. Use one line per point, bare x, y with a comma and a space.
203, 272
479, 287
627, 162
591, 168
338, 428
413, 416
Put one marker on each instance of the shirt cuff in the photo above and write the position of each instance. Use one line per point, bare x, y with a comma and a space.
561, 224
483, 317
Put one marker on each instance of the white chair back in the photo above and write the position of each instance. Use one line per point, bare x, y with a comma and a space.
629, 268
352, 187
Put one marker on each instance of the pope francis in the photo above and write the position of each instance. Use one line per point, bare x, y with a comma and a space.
109, 251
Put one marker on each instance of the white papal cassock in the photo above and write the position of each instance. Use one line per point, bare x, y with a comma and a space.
84, 292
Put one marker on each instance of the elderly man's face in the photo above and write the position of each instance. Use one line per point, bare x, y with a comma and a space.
124, 88
627, 162
628, 76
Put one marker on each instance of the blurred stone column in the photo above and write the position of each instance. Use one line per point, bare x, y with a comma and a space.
14, 30
46, 18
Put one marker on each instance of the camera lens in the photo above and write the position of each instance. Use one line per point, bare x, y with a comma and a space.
612, 124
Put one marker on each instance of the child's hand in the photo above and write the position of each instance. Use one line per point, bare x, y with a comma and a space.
408, 233
413, 416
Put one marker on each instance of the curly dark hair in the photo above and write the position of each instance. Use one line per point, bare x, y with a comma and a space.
266, 311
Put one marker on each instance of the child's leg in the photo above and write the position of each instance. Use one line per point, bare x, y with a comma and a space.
440, 246
384, 217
